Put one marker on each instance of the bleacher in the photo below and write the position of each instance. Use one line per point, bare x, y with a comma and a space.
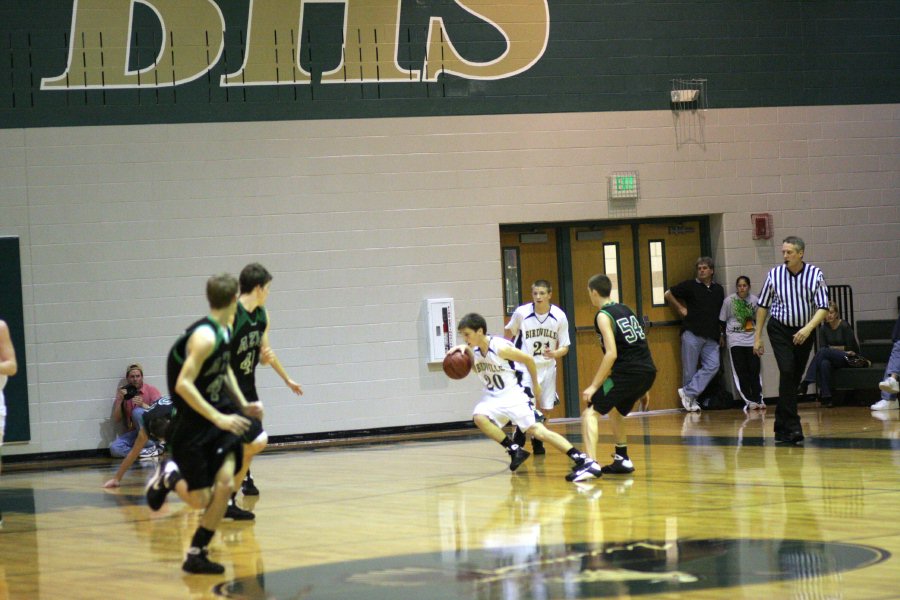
875, 344
860, 385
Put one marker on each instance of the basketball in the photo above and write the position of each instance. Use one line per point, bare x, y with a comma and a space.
457, 365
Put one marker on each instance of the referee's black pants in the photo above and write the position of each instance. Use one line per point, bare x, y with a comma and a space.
791, 361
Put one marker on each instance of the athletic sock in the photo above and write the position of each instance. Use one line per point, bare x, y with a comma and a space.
519, 437
201, 539
506, 443
574, 453
622, 451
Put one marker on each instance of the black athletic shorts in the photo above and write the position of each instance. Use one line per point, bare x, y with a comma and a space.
201, 451
621, 391
256, 428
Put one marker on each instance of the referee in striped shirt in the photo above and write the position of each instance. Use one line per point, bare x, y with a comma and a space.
796, 296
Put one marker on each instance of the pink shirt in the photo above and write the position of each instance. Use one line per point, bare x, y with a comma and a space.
150, 394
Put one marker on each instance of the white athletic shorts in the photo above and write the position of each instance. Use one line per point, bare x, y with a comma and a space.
513, 405
546, 371
547, 377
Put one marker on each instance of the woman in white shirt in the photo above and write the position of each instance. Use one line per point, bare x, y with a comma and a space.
739, 317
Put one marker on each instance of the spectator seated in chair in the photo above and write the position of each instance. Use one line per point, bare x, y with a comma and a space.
837, 343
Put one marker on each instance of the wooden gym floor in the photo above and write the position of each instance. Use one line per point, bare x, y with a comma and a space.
714, 510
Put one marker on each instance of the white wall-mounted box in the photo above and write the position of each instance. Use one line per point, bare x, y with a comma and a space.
441, 328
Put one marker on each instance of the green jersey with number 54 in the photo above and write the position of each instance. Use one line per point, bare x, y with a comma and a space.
633, 353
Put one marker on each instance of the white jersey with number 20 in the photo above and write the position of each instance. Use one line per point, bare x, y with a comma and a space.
498, 376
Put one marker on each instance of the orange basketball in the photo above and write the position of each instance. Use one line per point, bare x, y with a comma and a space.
457, 365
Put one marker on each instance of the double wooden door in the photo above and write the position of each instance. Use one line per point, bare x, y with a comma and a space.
642, 259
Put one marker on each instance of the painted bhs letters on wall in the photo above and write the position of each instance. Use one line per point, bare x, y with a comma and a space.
193, 41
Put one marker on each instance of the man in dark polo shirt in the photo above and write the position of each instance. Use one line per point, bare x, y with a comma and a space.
698, 302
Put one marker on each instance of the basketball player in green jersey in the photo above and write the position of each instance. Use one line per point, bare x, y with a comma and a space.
249, 348
206, 436
625, 375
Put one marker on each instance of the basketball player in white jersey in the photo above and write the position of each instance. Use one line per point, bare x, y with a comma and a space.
542, 330
8, 368
504, 397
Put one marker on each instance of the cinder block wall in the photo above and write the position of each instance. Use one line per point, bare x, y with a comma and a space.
362, 220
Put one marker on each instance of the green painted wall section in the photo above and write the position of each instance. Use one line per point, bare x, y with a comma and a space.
600, 56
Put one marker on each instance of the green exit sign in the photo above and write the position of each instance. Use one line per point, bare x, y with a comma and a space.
626, 183
623, 185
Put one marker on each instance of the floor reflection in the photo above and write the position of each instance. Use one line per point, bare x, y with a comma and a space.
713, 505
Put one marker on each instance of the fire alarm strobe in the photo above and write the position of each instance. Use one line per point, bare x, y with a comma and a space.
762, 226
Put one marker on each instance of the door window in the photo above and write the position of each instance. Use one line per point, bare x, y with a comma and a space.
612, 268
512, 284
658, 272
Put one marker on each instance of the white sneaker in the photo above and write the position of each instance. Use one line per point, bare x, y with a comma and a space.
885, 405
590, 470
685, 399
150, 452
890, 385
695, 407
750, 405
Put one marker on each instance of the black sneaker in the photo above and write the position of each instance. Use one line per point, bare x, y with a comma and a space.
537, 447
157, 488
517, 457
619, 466
249, 488
589, 470
238, 514
789, 438
200, 564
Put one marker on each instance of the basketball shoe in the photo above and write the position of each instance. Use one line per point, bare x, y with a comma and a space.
236, 513
248, 487
619, 466
198, 562
161, 483
589, 470
517, 455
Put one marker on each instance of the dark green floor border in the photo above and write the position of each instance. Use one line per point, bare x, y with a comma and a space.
375, 434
